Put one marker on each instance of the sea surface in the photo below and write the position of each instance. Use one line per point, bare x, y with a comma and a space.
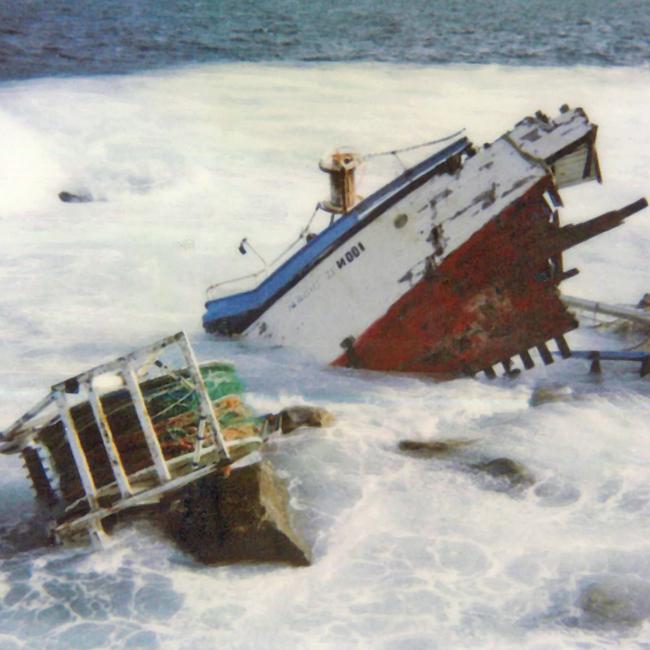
65, 37
194, 124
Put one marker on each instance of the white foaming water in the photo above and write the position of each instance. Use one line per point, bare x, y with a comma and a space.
408, 552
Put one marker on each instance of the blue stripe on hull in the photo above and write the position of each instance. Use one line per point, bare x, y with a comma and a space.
240, 309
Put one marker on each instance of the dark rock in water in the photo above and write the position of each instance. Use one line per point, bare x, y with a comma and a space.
545, 394
554, 493
243, 517
615, 602
644, 303
432, 448
69, 197
500, 474
293, 417
511, 473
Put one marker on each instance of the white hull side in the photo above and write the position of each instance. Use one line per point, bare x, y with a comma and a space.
335, 301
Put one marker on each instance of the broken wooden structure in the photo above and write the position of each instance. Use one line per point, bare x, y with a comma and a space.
638, 317
136, 432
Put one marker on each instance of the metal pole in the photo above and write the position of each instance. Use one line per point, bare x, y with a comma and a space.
636, 315
205, 404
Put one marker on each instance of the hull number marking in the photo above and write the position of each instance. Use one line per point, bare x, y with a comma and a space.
350, 255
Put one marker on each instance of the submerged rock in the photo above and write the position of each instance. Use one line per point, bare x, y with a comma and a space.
545, 394
644, 303
555, 493
242, 517
509, 472
502, 474
433, 448
615, 602
294, 417
69, 197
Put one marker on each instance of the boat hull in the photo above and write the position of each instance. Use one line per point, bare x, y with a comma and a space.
453, 272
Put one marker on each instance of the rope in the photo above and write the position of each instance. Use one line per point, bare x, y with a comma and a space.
303, 233
394, 152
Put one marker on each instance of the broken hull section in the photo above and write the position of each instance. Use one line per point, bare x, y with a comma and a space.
452, 275
491, 299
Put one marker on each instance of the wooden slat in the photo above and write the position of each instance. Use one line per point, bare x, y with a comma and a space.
72, 437
109, 442
526, 359
563, 347
545, 353
128, 372
146, 496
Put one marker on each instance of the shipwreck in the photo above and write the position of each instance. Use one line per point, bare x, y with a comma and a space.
156, 433
452, 268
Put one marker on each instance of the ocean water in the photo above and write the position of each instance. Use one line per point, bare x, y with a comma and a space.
64, 37
408, 552
194, 124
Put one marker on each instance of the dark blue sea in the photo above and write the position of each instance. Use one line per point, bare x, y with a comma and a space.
70, 37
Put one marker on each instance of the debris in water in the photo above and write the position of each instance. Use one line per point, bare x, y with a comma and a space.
70, 197
154, 429
511, 474
554, 393
433, 448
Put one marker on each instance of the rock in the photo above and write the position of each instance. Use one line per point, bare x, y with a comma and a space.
555, 493
244, 517
69, 197
507, 471
293, 417
545, 394
615, 602
433, 448
644, 303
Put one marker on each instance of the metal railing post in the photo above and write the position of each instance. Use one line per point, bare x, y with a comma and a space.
146, 425
95, 530
206, 408
109, 441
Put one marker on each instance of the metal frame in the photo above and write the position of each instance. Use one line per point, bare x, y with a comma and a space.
136, 489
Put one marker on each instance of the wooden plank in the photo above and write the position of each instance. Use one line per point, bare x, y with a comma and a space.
109, 442
526, 359
563, 347
146, 496
545, 353
38, 475
131, 380
72, 437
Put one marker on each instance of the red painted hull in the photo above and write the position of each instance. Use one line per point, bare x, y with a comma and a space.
491, 299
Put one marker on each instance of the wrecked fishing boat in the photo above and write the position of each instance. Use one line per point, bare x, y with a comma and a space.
156, 432
451, 268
